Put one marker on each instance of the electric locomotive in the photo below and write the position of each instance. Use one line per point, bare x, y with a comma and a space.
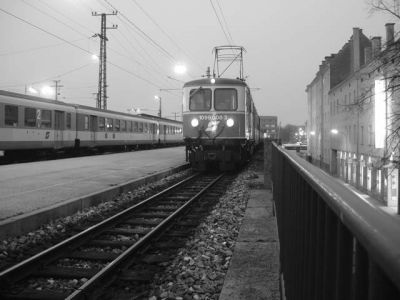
221, 127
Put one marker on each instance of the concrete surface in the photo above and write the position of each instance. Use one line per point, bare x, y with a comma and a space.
51, 189
254, 269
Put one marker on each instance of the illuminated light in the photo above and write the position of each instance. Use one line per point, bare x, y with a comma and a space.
95, 57
212, 80
32, 90
194, 123
230, 122
180, 69
334, 131
380, 118
47, 91
312, 132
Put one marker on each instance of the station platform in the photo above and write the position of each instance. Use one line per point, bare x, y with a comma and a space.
37, 192
254, 271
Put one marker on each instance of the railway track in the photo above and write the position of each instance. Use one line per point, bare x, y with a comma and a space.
82, 266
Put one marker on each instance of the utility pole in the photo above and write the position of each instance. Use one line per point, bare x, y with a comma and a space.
57, 88
102, 90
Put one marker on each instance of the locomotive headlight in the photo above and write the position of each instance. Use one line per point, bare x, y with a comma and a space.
230, 122
194, 123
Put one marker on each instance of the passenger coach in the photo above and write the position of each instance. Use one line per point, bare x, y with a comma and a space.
221, 127
29, 123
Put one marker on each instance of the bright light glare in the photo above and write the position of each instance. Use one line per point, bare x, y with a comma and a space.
180, 69
32, 90
334, 131
157, 97
230, 122
195, 123
95, 57
46, 91
380, 119
212, 80
312, 132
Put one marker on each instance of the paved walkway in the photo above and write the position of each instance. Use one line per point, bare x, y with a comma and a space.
254, 270
34, 193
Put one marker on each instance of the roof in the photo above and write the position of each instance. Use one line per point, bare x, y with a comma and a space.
218, 81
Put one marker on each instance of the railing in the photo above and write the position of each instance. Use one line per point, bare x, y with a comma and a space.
333, 243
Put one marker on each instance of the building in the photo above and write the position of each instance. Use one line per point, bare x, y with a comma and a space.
269, 127
350, 104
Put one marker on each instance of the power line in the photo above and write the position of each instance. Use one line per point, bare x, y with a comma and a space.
44, 30
220, 23
226, 24
162, 30
144, 34
54, 18
76, 46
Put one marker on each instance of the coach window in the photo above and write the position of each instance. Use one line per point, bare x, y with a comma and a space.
117, 125
45, 119
145, 128
135, 127
225, 99
86, 120
200, 99
129, 126
102, 124
68, 121
30, 117
11, 115
109, 124
123, 125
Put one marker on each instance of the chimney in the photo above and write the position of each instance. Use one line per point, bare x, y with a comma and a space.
389, 33
376, 46
356, 49
367, 55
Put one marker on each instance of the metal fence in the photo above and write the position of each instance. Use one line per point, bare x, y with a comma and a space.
334, 243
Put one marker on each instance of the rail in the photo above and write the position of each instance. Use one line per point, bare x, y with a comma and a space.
333, 243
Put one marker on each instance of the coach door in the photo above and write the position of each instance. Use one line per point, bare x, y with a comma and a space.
93, 128
59, 128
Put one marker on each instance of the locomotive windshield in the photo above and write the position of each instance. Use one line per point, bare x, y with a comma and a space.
200, 99
225, 99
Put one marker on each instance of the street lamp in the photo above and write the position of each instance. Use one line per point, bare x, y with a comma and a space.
159, 110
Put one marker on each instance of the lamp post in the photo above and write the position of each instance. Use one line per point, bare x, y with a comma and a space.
159, 110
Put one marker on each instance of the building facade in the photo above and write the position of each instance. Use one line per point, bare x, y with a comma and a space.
350, 104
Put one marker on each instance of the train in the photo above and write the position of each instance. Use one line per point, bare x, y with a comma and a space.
29, 123
221, 126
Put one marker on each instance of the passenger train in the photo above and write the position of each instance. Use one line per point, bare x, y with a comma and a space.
29, 123
221, 127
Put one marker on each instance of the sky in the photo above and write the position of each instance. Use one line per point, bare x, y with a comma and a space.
285, 42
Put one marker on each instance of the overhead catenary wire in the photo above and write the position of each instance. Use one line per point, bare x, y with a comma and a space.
74, 45
220, 23
144, 34
164, 32
226, 24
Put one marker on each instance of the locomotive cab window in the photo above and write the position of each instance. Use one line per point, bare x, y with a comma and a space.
11, 115
200, 99
225, 99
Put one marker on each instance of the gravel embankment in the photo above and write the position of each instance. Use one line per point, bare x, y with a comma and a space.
13, 250
199, 269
